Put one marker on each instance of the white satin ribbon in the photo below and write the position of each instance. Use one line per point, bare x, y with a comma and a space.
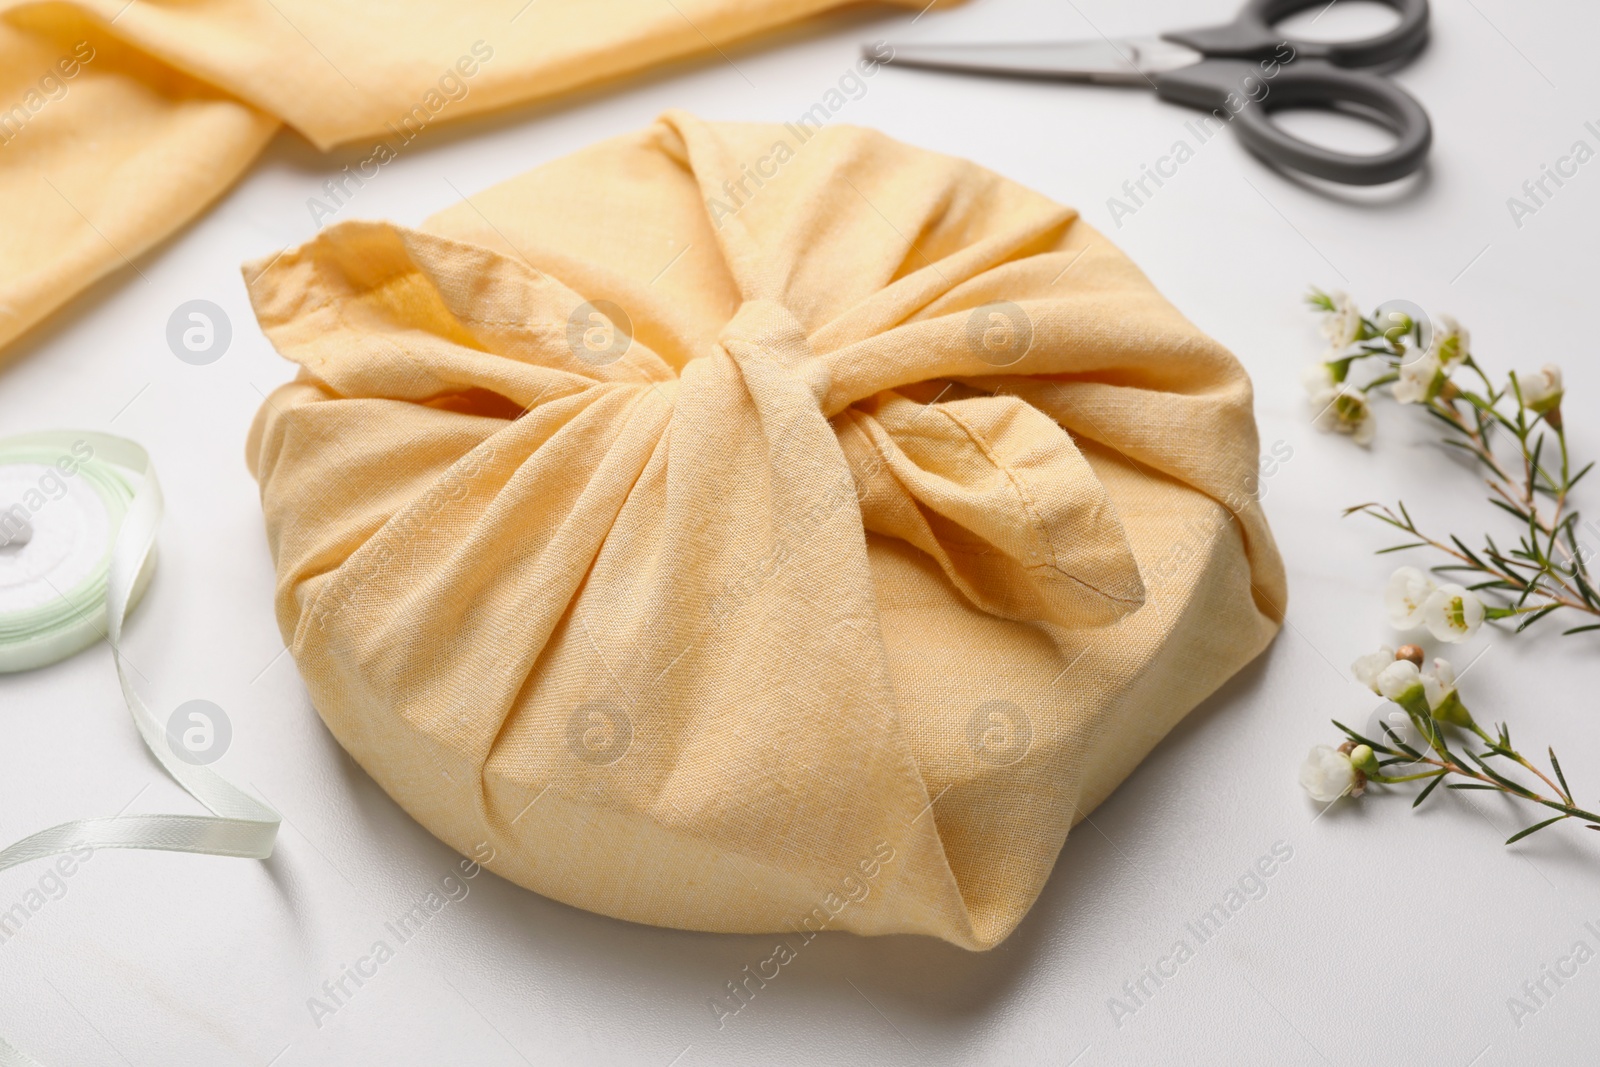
240, 824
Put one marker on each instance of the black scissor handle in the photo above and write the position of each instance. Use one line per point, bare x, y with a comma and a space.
1227, 87
1252, 36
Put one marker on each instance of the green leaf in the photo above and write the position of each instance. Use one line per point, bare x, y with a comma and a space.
1536, 616
1559, 776
1358, 739
1379, 512
1520, 790
1468, 553
1424, 794
1442, 417
1528, 591
1502, 420
1400, 548
1503, 506
1535, 828
1585, 590
1434, 733
1394, 739
1581, 629
1580, 474
1472, 785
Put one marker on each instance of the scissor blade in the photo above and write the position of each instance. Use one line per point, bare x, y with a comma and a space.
1129, 61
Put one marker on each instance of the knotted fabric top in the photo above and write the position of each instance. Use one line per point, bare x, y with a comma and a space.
778, 553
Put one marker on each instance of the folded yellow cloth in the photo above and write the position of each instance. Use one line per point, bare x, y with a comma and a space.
799, 552
120, 120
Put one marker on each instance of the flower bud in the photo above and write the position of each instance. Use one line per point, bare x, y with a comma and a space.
1364, 760
1410, 652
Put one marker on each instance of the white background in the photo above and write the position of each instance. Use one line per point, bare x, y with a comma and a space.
1389, 937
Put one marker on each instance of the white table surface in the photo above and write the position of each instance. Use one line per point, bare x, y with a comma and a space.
1389, 937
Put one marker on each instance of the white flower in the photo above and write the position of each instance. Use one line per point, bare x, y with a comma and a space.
1407, 592
1451, 343
1318, 379
1541, 389
1344, 410
1342, 325
1452, 613
1398, 679
1327, 774
1368, 667
1421, 377
1439, 683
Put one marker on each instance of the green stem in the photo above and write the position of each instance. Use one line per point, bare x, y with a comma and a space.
1387, 780
1452, 767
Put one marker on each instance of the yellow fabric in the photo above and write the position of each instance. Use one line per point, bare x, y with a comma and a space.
120, 120
801, 613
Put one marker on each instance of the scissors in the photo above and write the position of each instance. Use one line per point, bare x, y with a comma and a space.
1240, 72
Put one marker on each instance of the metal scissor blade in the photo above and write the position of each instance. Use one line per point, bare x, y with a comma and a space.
1129, 61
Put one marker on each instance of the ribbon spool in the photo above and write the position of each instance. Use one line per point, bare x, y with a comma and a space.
78, 519
61, 501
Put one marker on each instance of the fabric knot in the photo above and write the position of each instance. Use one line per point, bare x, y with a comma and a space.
764, 333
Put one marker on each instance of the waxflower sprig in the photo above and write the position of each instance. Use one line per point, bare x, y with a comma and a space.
1546, 570
1435, 709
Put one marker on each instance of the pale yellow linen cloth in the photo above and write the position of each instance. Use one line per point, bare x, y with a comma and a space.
800, 614
121, 120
